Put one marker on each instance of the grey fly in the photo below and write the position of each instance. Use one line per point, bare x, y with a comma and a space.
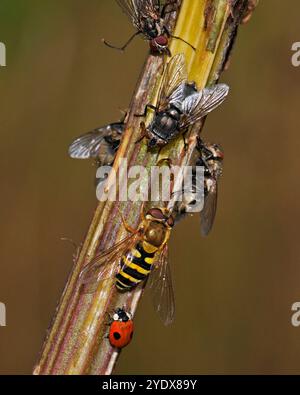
179, 104
210, 156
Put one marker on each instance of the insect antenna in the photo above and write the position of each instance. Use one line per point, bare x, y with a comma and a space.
125, 45
181, 39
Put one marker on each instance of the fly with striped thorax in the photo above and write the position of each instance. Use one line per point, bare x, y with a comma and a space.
142, 254
148, 17
209, 156
179, 105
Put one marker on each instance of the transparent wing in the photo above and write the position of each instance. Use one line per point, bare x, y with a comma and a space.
149, 8
136, 10
130, 9
88, 145
199, 104
160, 283
208, 213
105, 265
173, 81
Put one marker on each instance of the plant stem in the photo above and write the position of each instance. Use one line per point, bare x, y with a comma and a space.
76, 342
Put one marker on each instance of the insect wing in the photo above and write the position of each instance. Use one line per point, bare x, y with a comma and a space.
136, 10
208, 212
105, 265
160, 283
173, 81
199, 104
129, 7
149, 8
89, 144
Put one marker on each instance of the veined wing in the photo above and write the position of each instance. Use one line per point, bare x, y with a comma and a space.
199, 104
173, 81
208, 212
88, 145
106, 264
136, 10
160, 283
149, 8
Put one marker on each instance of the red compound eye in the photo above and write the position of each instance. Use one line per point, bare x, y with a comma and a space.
156, 213
158, 43
161, 40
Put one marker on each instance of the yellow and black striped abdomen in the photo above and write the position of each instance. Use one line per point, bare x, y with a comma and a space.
135, 266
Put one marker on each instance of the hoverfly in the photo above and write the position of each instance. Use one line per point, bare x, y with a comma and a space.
148, 17
141, 254
100, 144
210, 156
179, 104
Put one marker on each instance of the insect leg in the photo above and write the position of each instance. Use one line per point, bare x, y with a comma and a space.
147, 107
144, 132
177, 38
125, 224
125, 45
184, 141
142, 215
181, 39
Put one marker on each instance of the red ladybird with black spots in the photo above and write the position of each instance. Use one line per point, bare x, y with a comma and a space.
121, 329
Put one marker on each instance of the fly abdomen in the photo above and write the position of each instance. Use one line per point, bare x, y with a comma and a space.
135, 267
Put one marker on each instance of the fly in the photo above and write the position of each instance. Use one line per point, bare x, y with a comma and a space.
179, 104
100, 144
148, 17
210, 156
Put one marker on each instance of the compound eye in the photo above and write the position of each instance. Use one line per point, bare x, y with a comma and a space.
162, 41
156, 213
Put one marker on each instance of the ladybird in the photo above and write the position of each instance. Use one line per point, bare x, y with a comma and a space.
121, 329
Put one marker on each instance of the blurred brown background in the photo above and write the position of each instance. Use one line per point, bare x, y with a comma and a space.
235, 289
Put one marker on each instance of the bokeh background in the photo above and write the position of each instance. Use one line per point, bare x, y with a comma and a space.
235, 289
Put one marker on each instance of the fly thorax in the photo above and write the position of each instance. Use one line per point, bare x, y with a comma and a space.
151, 28
174, 113
155, 234
167, 122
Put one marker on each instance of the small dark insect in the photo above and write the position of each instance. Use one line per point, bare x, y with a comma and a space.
210, 156
179, 104
148, 17
100, 144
